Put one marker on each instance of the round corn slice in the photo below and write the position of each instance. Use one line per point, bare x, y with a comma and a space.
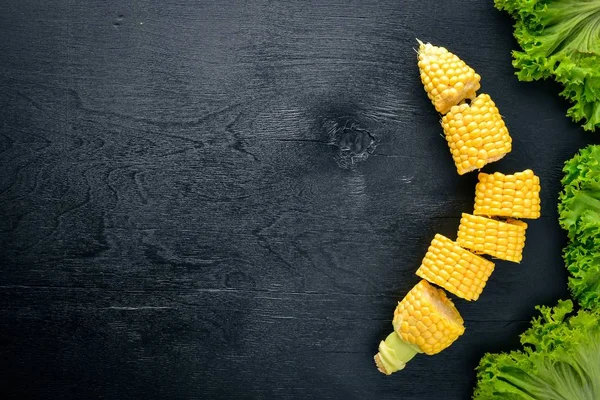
427, 318
455, 269
516, 196
501, 239
425, 321
476, 134
446, 78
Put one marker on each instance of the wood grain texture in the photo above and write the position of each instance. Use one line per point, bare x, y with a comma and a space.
214, 199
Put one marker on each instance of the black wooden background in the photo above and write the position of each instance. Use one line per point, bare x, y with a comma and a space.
218, 199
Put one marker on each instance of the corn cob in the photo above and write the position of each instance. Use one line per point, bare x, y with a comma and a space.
425, 321
455, 269
447, 79
516, 196
476, 134
503, 240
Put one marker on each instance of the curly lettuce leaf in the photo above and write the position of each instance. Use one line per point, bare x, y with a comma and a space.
582, 258
579, 215
560, 39
583, 265
560, 360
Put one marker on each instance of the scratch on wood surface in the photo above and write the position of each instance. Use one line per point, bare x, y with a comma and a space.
139, 308
406, 179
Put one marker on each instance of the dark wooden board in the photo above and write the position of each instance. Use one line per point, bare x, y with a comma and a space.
176, 220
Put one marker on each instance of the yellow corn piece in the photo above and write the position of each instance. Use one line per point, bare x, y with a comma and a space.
427, 318
447, 79
503, 240
516, 196
425, 321
455, 269
476, 134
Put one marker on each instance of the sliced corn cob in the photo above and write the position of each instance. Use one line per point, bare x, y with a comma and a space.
424, 321
476, 134
427, 318
516, 196
447, 79
455, 269
503, 240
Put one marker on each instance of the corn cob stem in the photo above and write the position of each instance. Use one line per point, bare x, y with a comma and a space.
393, 354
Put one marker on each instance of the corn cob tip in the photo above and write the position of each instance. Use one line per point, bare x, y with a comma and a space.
447, 79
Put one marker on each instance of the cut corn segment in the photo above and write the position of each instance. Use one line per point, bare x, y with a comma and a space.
447, 79
455, 269
503, 240
516, 196
427, 318
425, 321
476, 134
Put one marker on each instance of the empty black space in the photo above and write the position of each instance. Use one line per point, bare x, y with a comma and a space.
226, 199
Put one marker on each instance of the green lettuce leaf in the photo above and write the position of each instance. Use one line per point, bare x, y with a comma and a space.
584, 270
579, 215
560, 360
560, 39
